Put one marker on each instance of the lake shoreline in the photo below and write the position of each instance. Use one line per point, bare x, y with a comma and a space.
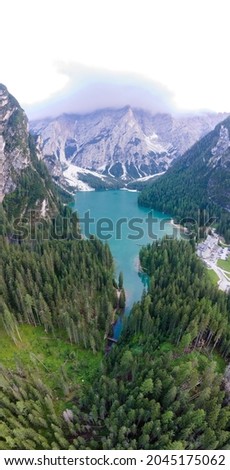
178, 226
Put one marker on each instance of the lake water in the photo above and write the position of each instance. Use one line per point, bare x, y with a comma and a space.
127, 227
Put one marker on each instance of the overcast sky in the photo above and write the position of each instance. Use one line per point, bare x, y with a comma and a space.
79, 55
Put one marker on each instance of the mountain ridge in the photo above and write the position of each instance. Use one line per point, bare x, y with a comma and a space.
120, 144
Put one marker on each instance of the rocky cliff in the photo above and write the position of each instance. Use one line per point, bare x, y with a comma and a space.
24, 180
14, 150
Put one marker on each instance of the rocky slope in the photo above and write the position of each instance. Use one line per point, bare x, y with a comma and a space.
14, 151
24, 181
119, 144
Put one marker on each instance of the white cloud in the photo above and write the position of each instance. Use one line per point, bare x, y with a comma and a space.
181, 44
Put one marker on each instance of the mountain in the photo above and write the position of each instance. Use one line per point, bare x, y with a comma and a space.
24, 180
116, 146
198, 181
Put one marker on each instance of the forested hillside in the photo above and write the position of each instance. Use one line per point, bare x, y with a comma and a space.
62, 285
58, 302
197, 185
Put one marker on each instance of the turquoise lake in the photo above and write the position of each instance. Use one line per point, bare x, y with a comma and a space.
127, 227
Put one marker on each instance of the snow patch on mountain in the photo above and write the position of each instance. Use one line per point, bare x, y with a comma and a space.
72, 173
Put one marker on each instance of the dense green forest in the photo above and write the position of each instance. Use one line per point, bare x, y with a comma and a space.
194, 190
65, 285
58, 300
161, 387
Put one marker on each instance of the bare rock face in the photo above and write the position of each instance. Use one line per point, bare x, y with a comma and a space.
125, 144
220, 153
14, 151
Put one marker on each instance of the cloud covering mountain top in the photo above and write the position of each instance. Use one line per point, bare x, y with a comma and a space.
89, 89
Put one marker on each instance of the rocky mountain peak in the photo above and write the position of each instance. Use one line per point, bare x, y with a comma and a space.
129, 122
128, 114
